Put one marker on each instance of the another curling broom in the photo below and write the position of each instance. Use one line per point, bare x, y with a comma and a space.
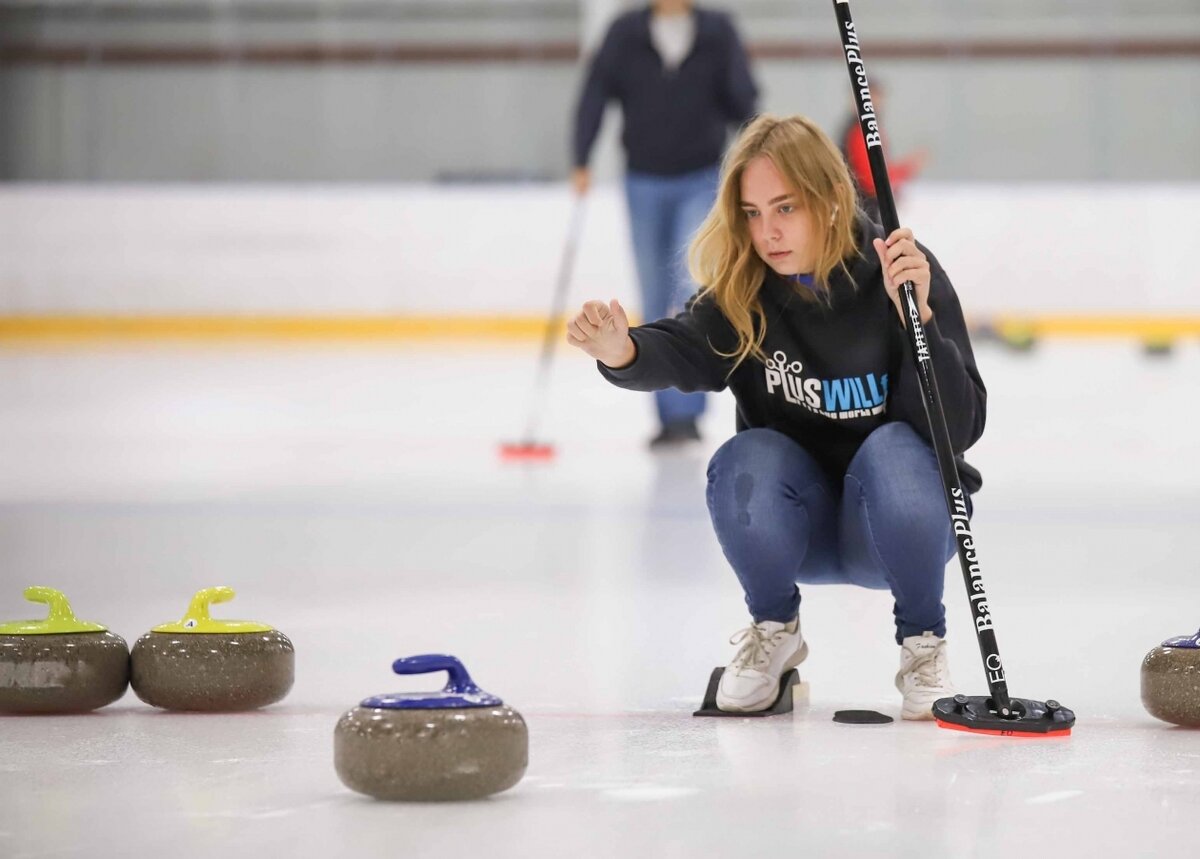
999, 713
529, 448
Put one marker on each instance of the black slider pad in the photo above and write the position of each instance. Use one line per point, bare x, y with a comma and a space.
861, 717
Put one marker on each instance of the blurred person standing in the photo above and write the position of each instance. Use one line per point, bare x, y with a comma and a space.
854, 148
682, 79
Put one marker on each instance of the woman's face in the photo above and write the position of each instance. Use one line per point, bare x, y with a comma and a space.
780, 227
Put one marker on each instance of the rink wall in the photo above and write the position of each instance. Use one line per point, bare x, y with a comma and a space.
477, 256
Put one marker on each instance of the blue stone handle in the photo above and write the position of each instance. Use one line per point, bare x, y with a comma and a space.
1189, 642
460, 681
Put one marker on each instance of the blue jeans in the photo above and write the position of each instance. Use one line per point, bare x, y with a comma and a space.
664, 213
780, 521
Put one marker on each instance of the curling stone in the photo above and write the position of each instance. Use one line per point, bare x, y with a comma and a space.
199, 663
60, 664
1016, 335
1158, 347
459, 743
1171, 681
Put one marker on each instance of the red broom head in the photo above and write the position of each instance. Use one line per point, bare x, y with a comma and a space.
526, 451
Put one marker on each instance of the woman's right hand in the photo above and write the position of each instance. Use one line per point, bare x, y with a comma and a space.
602, 331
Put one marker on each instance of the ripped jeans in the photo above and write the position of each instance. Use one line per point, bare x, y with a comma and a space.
780, 522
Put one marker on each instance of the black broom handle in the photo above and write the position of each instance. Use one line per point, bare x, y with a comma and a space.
558, 302
956, 499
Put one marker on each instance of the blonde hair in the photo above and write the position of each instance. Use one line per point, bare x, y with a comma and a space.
722, 258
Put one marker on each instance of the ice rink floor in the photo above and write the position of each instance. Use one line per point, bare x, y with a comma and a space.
353, 497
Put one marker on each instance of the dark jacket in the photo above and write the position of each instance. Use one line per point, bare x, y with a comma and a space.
675, 121
834, 372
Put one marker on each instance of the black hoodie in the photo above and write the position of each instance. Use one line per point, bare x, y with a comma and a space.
835, 370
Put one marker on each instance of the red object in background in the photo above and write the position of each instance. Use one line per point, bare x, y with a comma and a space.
527, 451
855, 148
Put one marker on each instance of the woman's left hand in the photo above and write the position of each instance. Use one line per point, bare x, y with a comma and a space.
902, 260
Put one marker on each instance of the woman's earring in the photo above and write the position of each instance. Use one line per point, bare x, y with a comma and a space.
833, 216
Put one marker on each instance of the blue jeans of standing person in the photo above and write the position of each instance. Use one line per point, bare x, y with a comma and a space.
664, 213
780, 521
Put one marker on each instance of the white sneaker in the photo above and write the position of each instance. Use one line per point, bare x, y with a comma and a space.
924, 675
751, 680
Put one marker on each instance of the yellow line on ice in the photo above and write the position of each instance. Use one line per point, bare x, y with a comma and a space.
300, 328
494, 328
1145, 328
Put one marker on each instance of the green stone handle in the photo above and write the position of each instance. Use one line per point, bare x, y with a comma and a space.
198, 620
60, 620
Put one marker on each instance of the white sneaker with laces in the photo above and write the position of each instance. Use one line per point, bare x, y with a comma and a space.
924, 675
751, 680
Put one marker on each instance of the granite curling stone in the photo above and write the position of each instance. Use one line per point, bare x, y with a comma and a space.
1171, 681
199, 663
60, 664
459, 743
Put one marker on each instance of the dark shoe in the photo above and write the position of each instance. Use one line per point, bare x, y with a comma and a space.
675, 434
